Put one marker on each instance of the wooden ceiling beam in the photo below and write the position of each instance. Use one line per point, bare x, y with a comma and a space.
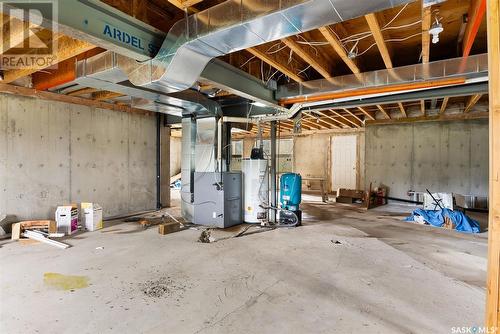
83, 91
66, 48
367, 113
446, 117
475, 14
402, 109
472, 102
64, 73
332, 122
314, 61
323, 124
45, 95
379, 39
361, 121
105, 95
350, 122
383, 111
442, 110
311, 124
339, 49
285, 125
336, 122
184, 4
270, 61
426, 37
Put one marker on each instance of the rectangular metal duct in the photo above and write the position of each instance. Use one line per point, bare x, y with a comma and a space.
206, 145
236, 25
187, 167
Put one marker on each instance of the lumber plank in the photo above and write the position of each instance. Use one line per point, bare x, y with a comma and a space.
492, 317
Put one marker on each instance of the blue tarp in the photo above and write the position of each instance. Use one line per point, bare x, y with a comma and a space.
436, 218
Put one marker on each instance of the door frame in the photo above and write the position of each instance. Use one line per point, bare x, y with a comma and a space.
330, 160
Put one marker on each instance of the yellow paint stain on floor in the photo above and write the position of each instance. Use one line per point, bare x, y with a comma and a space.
65, 282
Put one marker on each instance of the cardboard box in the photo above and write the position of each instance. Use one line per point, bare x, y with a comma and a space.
92, 216
67, 219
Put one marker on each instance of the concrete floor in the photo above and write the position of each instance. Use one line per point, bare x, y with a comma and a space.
383, 276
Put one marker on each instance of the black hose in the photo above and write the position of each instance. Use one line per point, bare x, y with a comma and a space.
399, 199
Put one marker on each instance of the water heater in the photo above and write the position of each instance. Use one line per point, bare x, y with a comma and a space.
255, 190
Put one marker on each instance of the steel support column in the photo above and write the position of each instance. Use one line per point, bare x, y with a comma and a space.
273, 176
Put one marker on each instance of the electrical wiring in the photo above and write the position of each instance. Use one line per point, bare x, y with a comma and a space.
276, 51
396, 16
403, 26
305, 69
249, 60
273, 46
314, 43
390, 41
269, 79
363, 35
367, 34
313, 47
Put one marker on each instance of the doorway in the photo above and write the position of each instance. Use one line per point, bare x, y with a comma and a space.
344, 162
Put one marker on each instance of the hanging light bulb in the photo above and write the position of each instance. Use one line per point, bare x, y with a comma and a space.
435, 30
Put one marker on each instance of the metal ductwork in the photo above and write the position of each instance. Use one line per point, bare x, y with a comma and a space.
382, 85
232, 26
188, 167
102, 72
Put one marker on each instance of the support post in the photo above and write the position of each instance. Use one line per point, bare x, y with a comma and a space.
158, 160
493, 280
164, 165
273, 185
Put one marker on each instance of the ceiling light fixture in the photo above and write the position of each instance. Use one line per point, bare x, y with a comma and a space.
435, 30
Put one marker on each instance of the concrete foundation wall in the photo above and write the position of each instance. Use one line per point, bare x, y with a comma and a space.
175, 155
440, 156
56, 153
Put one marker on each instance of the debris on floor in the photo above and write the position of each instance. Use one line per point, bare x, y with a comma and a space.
212, 235
176, 181
157, 218
350, 196
6, 222
445, 218
44, 238
47, 226
168, 228
205, 237
162, 287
